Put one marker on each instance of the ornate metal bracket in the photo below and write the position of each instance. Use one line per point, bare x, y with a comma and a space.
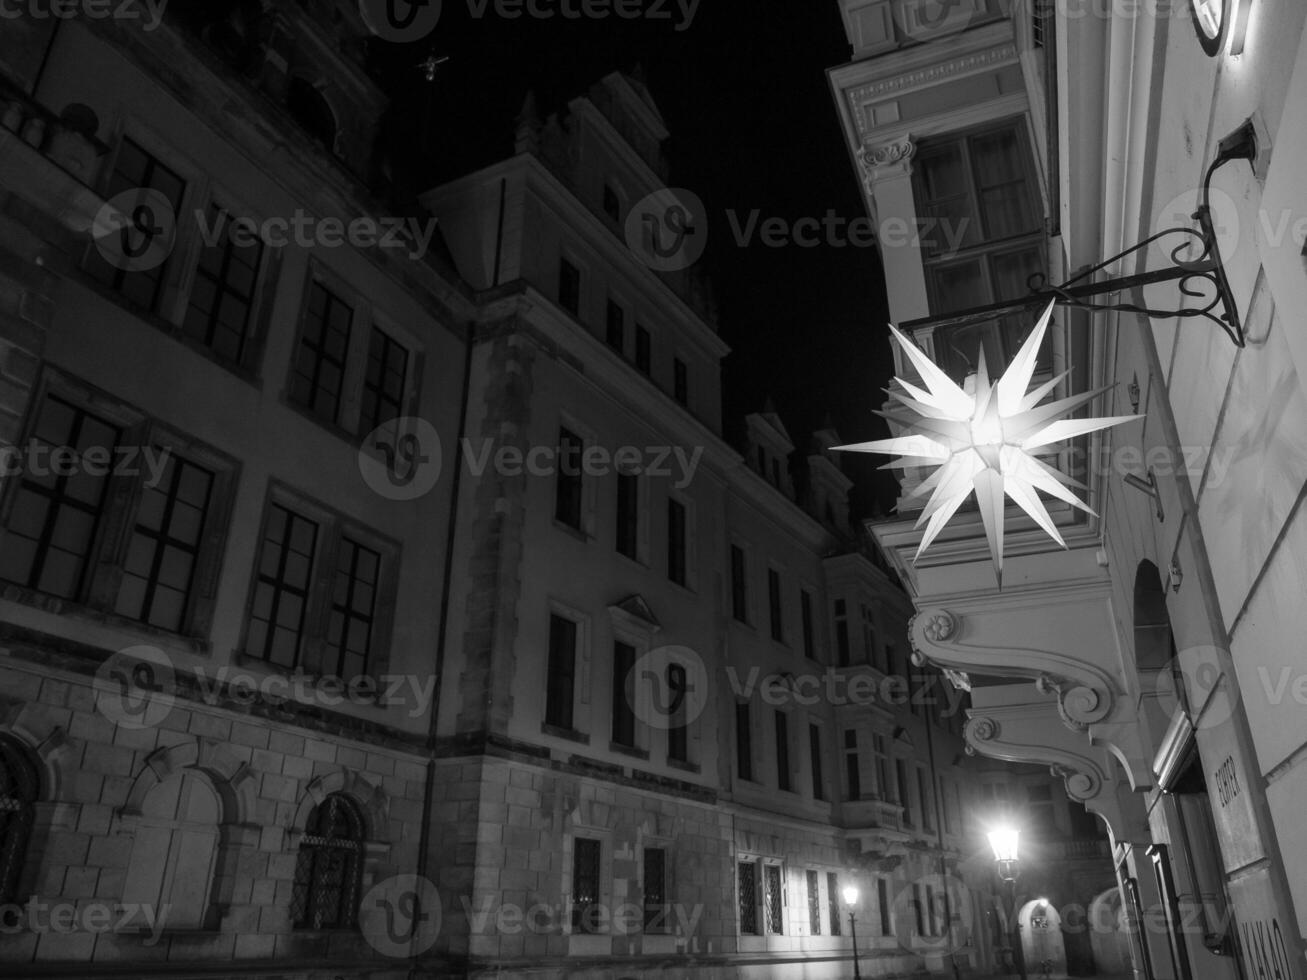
1079, 290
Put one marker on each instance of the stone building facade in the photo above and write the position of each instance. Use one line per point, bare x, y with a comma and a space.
295, 680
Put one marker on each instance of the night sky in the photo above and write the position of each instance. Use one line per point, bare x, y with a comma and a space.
744, 93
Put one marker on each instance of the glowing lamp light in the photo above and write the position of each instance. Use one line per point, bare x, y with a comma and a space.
982, 439
850, 895
1005, 842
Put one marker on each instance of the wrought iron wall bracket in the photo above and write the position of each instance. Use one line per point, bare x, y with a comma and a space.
1081, 290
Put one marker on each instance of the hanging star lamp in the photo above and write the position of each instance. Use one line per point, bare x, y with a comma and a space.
982, 439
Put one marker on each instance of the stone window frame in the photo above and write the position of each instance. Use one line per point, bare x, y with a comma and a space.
117, 519
333, 526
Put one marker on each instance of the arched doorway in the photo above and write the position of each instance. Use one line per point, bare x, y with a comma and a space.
1108, 935
1041, 938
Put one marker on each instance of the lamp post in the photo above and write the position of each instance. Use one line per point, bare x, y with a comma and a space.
851, 901
1004, 841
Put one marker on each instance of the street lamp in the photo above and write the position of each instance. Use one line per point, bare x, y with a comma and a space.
1005, 840
850, 902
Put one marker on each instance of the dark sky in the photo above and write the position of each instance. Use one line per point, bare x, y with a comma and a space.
744, 93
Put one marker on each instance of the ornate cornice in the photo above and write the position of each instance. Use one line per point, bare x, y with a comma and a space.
929, 75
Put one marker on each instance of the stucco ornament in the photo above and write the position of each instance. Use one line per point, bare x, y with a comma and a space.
982, 438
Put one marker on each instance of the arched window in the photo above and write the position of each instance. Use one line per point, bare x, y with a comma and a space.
312, 112
327, 872
20, 788
1154, 647
175, 849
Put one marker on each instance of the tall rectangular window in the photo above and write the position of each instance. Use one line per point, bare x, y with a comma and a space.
568, 488
623, 710
281, 590
53, 523
680, 381
882, 766
805, 615
904, 791
656, 908
628, 514
743, 741
842, 652
643, 350
814, 902
353, 609
814, 750
747, 872
739, 585
585, 886
159, 570
883, 905
615, 327
869, 646
852, 770
981, 235
774, 604
678, 730
932, 923
833, 901
923, 790
676, 541
569, 287
774, 897
919, 908
319, 372
221, 301
135, 168
560, 690
383, 382
782, 723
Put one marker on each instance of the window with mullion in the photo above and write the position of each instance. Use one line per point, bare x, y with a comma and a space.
54, 519
782, 732
353, 609
318, 374
159, 570
678, 728
282, 582
814, 750
328, 867
221, 302
134, 167
383, 382
774, 605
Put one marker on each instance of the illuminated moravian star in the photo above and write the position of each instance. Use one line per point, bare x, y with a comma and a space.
983, 440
